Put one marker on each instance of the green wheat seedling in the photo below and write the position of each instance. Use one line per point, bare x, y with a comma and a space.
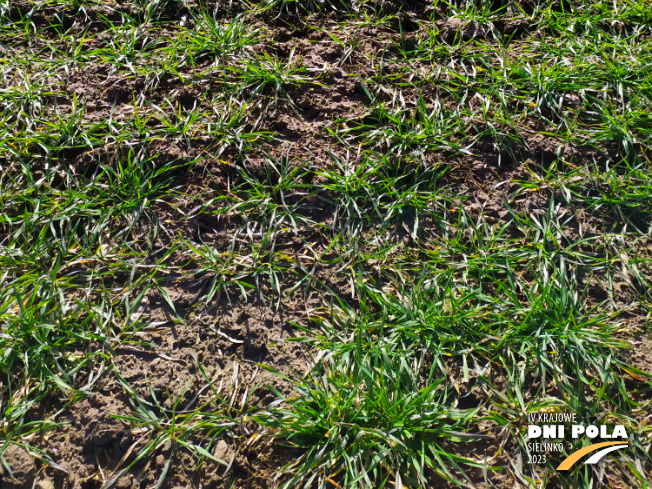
50, 342
193, 425
408, 132
363, 418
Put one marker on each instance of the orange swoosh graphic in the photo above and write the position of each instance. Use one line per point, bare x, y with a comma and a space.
575, 456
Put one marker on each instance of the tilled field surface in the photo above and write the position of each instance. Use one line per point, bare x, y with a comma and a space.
322, 243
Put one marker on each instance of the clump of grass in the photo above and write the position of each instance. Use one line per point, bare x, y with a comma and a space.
408, 131
50, 342
378, 405
271, 74
369, 414
193, 425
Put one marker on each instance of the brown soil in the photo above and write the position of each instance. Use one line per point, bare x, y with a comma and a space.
234, 334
